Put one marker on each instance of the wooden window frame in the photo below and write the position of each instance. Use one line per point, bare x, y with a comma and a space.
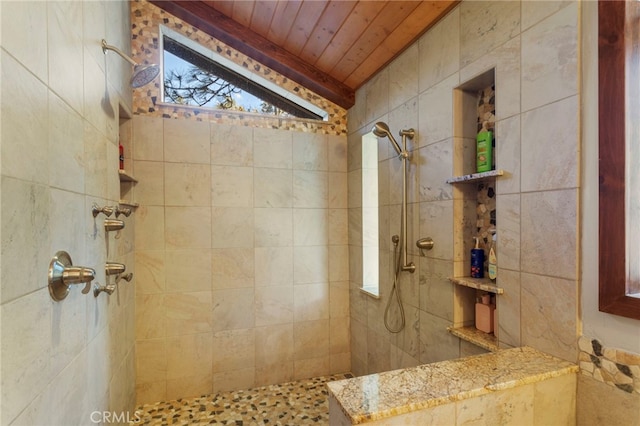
613, 59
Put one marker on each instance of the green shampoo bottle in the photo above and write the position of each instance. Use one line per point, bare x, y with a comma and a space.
484, 142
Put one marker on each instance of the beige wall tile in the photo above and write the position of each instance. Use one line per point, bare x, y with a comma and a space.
189, 356
338, 228
233, 309
403, 77
436, 221
148, 138
272, 148
151, 321
273, 266
339, 263
436, 291
278, 372
548, 315
311, 264
376, 95
508, 156
337, 153
508, 231
186, 141
150, 271
66, 140
439, 51
340, 363
233, 350
436, 343
231, 145
273, 187
150, 187
95, 162
232, 268
378, 352
311, 339
274, 344
339, 299
234, 380
339, 335
31, 49
548, 226
310, 227
188, 227
595, 400
437, 104
310, 189
311, 302
148, 393
509, 308
485, 26
188, 270
550, 59
554, 400
338, 191
550, 133
232, 227
151, 361
189, 386
512, 407
150, 223
274, 305
310, 151
188, 313
273, 227
231, 186
187, 184
313, 367
435, 168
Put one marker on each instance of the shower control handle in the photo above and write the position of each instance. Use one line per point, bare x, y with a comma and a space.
425, 243
109, 289
63, 274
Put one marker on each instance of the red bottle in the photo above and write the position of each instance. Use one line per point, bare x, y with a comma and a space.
121, 149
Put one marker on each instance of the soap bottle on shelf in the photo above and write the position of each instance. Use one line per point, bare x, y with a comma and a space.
485, 310
477, 260
484, 149
493, 260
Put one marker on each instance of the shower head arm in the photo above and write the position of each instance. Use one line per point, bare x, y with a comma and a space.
106, 47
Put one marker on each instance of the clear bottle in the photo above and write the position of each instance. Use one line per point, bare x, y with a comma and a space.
493, 259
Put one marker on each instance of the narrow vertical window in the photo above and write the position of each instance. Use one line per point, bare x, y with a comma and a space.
370, 232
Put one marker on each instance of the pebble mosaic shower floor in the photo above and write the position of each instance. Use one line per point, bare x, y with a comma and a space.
303, 402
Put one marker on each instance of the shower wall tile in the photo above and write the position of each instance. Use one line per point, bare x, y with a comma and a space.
233, 309
534, 12
234, 350
310, 189
189, 356
187, 227
549, 315
232, 227
485, 26
149, 220
65, 51
231, 186
274, 305
273, 187
232, 268
148, 138
338, 227
376, 95
26, 244
508, 155
187, 184
338, 190
244, 378
95, 162
403, 77
306, 235
551, 132
436, 105
550, 59
273, 227
339, 263
439, 51
436, 292
66, 140
188, 313
278, 372
313, 367
274, 344
310, 264
151, 321
186, 141
149, 190
435, 168
378, 352
436, 343
24, 122
508, 231
339, 300
199, 384
310, 339
150, 271
100, 100
231, 145
310, 151
549, 233
337, 153
272, 148
310, 302
273, 266
509, 307
436, 221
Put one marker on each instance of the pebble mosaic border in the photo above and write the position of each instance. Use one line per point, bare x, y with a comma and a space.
303, 402
145, 21
608, 365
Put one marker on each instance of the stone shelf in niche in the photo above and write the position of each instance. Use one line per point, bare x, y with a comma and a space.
126, 177
475, 177
128, 203
473, 335
484, 284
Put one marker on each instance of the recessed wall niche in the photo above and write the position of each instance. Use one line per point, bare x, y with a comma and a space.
474, 205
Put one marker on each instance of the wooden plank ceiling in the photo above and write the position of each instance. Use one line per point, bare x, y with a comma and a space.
332, 47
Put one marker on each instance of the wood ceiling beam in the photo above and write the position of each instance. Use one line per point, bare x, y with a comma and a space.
242, 39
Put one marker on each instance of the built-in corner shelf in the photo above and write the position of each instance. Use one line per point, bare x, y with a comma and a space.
475, 177
484, 284
128, 203
479, 338
126, 177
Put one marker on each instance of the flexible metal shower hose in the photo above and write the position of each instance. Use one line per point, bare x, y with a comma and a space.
395, 289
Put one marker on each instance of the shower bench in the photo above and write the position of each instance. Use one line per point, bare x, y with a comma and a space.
519, 386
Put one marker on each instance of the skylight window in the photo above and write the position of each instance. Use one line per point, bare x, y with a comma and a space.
195, 75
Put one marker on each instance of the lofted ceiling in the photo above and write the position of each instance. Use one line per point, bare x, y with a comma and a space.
332, 47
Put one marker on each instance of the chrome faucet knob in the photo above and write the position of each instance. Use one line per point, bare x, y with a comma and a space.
62, 274
109, 289
127, 277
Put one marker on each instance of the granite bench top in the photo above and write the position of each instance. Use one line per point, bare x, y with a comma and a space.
391, 393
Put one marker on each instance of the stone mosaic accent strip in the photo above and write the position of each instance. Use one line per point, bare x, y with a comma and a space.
303, 402
614, 367
145, 21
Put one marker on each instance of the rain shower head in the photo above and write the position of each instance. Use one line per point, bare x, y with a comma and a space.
381, 130
142, 74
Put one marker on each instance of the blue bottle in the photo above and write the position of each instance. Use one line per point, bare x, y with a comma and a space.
477, 261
